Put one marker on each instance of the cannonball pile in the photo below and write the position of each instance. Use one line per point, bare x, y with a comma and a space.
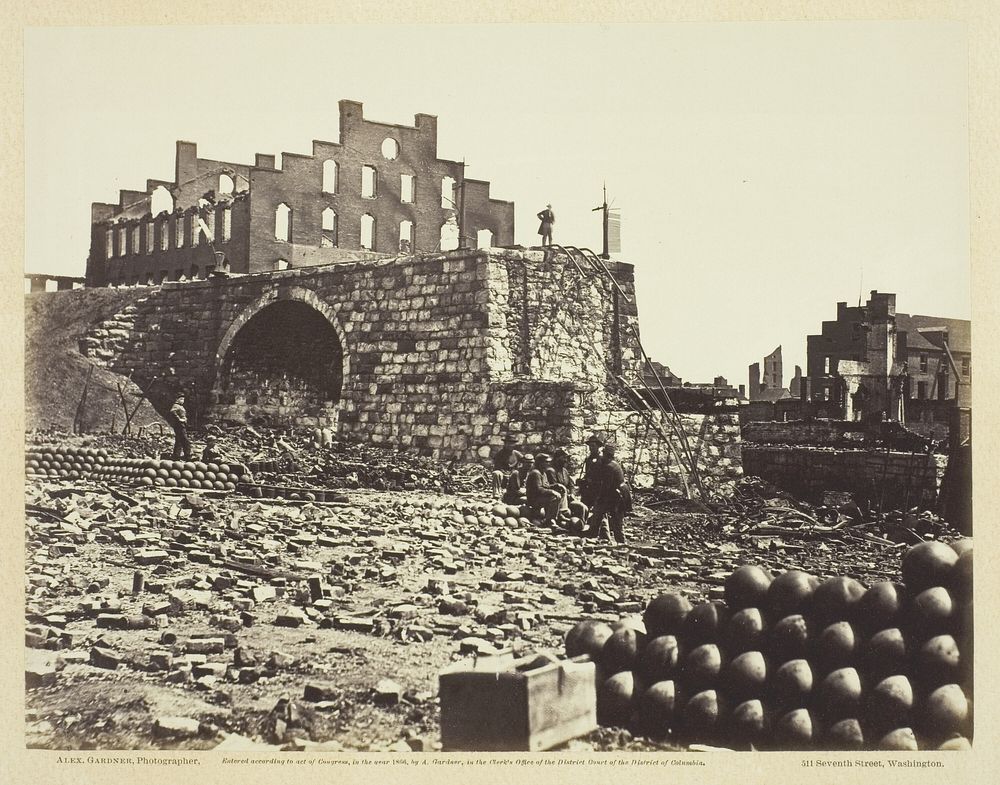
74, 463
792, 662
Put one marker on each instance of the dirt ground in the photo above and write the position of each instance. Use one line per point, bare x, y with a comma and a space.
405, 582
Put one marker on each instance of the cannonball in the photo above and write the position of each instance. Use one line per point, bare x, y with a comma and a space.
881, 607
747, 587
659, 659
789, 639
587, 637
704, 623
836, 599
927, 564
790, 593
665, 614
744, 631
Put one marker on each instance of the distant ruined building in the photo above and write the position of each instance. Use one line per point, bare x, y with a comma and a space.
770, 386
380, 191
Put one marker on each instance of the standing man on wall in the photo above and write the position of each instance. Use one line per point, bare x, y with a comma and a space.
613, 498
178, 421
547, 218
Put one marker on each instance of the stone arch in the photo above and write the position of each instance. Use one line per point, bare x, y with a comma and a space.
284, 386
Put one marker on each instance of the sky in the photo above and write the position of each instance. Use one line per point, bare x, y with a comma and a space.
764, 171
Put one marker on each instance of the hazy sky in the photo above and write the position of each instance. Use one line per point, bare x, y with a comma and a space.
764, 170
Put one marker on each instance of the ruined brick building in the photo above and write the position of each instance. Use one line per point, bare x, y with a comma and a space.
379, 190
902, 364
769, 387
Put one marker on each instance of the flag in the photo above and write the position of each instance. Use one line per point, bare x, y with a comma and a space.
614, 230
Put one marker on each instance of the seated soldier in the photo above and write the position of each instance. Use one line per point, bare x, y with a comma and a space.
541, 496
562, 481
210, 454
504, 462
515, 492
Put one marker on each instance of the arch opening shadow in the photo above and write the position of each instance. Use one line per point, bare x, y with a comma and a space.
285, 365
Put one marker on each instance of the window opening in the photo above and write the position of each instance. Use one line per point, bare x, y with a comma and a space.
226, 184
406, 188
390, 149
448, 192
283, 222
484, 238
369, 182
406, 236
161, 201
368, 232
328, 235
330, 171
449, 235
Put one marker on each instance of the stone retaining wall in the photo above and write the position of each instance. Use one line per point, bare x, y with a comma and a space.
441, 353
891, 479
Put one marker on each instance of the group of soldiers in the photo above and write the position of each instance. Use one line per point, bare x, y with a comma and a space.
599, 499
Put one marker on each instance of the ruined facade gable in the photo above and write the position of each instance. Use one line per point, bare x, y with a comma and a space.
379, 190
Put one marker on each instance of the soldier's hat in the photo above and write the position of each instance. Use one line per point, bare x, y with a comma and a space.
510, 439
527, 458
542, 456
595, 439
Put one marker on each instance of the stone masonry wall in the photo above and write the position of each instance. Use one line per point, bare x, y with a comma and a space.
890, 478
441, 353
816, 433
550, 322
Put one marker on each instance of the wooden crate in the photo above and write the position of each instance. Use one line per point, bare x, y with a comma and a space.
531, 704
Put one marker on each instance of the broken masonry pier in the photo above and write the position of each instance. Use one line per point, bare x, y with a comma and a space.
442, 353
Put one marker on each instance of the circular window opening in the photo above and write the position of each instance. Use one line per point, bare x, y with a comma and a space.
390, 148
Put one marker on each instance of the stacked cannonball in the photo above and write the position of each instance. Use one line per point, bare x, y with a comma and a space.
73, 463
792, 662
191, 474
69, 463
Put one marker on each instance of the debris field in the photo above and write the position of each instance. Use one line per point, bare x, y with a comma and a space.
165, 617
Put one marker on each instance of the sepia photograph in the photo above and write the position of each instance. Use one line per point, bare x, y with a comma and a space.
404, 390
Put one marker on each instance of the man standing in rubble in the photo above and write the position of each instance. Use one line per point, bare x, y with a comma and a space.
178, 421
587, 484
612, 498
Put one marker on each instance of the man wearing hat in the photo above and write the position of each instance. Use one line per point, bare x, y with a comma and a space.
504, 462
562, 481
178, 421
514, 492
541, 495
587, 484
612, 498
